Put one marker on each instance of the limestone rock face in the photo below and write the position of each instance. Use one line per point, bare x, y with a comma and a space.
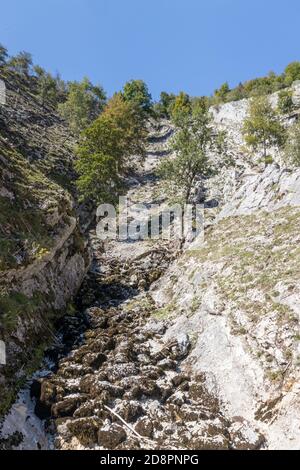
236, 295
296, 93
193, 347
43, 257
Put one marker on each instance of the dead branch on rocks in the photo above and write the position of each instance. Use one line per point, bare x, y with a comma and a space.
129, 427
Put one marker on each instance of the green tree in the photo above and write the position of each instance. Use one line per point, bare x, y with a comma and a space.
21, 63
181, 109
3, 55
222, 92
106, 149
262, 128
237, 93
62, 89
98, 179
292, 147
84, 103
200, 104
191, 145
125, 117
164, 107
136, 92
46, 87
285, 102
292, 73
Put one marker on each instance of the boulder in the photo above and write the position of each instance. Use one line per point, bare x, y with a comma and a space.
111, 437
85, 430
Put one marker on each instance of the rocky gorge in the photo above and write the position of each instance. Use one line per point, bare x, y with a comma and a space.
165, 347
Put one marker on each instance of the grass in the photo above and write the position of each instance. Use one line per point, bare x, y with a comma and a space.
10, 392
25, 229
15, 304
164, 312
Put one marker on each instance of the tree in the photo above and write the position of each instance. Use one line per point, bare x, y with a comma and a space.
222, 92
84, 103
62, 89
99, 179
285, 102
21, 63
200, 104
106, 148
262, 127
3, 55
182, 109
125, 116
191, 144
292, 147
292, 73
164, 107
136, 92
47, 86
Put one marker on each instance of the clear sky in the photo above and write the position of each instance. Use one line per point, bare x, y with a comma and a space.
190, 45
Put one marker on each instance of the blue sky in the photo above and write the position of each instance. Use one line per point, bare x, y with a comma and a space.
190, 45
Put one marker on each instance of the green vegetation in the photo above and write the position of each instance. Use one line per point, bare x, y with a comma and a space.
261, 86
56, 91
21, 63
137, 94
24, 231
3, 55
292, 73
163, 108
256, 254
249, 89
79, 102
292, 147
262, 128
164, 312
47, 87
255, 264
83, 105
181, 109
222, 93
258, 86
106, 147
9, 391
191, 145
285, 102
14, 304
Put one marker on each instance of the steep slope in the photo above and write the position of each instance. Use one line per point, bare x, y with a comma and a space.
192, 349
237, 295
42, 253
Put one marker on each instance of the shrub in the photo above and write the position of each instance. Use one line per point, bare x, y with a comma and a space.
21, 63
262, 128
84, 103
285, 102
3, 55
292, 147
292, 73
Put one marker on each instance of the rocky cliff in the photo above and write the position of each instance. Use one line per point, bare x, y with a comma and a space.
187, 349
236, 295
43, 256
